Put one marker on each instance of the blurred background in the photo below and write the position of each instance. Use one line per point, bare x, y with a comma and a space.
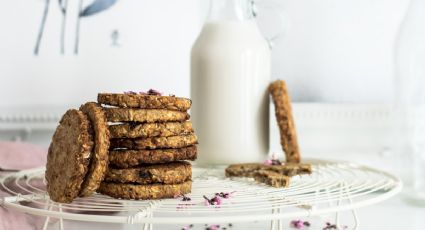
336, 56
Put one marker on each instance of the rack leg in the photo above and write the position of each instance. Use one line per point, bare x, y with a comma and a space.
276, 223
356, 219
354, 212
61, 219
279, 221
272, 225
46, 222
148, 226
337, 219
273, 222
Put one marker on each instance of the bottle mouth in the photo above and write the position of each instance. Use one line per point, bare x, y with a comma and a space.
231, 10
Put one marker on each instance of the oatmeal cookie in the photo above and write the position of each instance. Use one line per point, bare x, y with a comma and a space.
130, 158
155, 142
69, 156
144, 115
144, 101
167, 173
99, 162
144, 192
285, 121
249, 169
271, 178
134, 130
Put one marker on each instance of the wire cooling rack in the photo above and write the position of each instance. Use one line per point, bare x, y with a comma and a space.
331, 188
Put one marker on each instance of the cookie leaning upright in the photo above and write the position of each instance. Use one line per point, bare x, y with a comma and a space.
69, 156
99, 162
285, 121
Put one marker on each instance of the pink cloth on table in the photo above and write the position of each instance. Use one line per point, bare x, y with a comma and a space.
13, 220
19, 156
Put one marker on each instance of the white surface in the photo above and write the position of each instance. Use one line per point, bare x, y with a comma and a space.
393, 214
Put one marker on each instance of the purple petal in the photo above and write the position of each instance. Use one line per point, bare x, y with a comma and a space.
154, 92
130, 92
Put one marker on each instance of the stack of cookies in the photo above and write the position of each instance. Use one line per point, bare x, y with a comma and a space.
150, 137
134, 147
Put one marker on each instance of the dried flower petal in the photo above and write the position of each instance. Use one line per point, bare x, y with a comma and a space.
268, 162
130, 92
154, 92
273, 161
276, 162
330, 226
299, 224
224, 195
213, 227
216, 200
207, 201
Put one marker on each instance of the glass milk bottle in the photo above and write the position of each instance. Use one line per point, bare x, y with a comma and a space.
230, 72
410, 101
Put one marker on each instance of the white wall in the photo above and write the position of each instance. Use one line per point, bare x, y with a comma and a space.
155, 42
339, 50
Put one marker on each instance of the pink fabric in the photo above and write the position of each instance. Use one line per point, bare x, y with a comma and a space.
13, 220
19, 156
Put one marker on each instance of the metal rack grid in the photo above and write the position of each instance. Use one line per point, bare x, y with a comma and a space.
331, 188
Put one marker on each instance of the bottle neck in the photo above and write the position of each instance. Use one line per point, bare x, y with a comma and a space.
230, 10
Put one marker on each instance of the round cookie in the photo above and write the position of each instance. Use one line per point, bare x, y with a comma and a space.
168, 173
69, 156
130, 158
144, 115
99, 162
134, 130
155, 142
144, 192
144, 101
